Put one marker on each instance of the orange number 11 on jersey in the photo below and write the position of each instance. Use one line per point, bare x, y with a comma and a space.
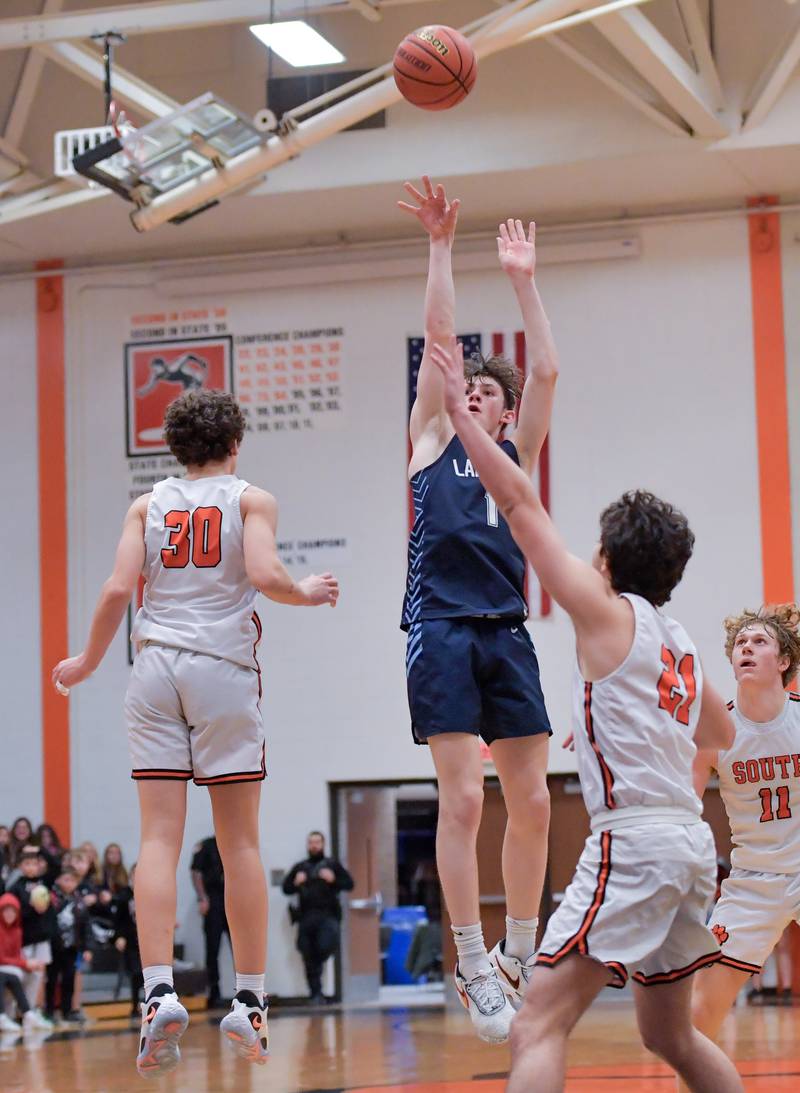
673, 697
203, 543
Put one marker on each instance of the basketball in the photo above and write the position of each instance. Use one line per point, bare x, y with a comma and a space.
40, 898
435, 68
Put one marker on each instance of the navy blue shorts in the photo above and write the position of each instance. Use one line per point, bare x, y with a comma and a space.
479, 676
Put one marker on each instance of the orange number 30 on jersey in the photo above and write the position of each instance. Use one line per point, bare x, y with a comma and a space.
194, 536
677, 687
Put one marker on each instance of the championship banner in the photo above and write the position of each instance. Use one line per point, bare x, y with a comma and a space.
511, 346
156, 372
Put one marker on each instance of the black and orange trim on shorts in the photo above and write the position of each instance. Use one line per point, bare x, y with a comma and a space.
740, 965
578, 942
237, 776
162, 775
679, 973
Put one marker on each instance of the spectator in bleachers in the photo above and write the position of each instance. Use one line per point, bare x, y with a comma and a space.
5, 855
95, 872
52, 849
13, 964
126, 940
70, 943
115, 875
38, 927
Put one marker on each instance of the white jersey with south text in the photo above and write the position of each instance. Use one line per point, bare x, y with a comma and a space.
197, 595
759, 779
634, 729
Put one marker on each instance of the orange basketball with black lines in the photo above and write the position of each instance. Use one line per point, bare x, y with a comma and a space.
435, 68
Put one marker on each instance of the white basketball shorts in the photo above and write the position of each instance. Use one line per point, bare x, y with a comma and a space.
638, 904
752, 912
191, 715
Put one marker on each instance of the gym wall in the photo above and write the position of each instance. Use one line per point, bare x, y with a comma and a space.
656, 390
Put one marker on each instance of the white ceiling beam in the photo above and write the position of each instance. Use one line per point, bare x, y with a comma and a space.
45, 199
772, 81
150, 18
700, 46
368, 10
654, 58
605, 77
87, 63
28, 85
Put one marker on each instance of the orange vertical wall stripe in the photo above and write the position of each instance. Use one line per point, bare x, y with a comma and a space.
52, 444
772, 413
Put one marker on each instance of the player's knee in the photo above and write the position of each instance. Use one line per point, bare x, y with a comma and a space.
462, 808
530, 808
667, 1042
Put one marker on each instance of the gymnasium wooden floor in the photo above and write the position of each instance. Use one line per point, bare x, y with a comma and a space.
408, 1051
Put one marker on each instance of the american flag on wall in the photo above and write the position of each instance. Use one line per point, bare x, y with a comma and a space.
513, 347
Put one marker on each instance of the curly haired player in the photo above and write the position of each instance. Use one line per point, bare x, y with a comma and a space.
206, 545
638, 899
759, 779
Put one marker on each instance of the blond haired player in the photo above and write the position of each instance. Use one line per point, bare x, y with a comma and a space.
638, 899
759, 779
205, 544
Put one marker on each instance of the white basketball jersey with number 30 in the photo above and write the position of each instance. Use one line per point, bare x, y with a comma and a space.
634, 729
759, 779
197, 594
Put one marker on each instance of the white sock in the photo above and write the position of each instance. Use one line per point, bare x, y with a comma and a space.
472, 956
155, 974
254, 983
520, 937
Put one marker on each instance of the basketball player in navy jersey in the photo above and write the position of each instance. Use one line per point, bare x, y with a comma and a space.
642, 707
206, 545
471, 666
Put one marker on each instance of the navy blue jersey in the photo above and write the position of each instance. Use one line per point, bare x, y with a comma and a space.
462, 559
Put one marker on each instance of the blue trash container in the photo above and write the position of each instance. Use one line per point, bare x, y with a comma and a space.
402, 921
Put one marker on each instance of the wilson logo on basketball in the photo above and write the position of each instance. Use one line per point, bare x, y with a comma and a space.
437, 43
720, 933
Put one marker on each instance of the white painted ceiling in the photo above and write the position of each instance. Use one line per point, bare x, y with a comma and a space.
540, 136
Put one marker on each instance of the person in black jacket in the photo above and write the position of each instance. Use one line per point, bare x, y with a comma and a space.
38, 924
71, 940
208, 879
126, 940
317, 881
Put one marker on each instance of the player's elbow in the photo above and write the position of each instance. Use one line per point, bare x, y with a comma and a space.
545, 369
116, 590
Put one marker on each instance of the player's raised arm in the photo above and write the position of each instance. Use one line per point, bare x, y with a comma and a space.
438, 217
705, 763
715, 729
265, 571
114, 599
517, 254
574, 584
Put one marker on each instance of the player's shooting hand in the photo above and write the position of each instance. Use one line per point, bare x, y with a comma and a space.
517, 252
437, 216
320, 589
450, 362
569, 743
327, 875
70, 671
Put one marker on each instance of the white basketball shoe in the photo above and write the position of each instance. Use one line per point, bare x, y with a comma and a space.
512, 974
489, 1009
164, 1021
246, 1027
